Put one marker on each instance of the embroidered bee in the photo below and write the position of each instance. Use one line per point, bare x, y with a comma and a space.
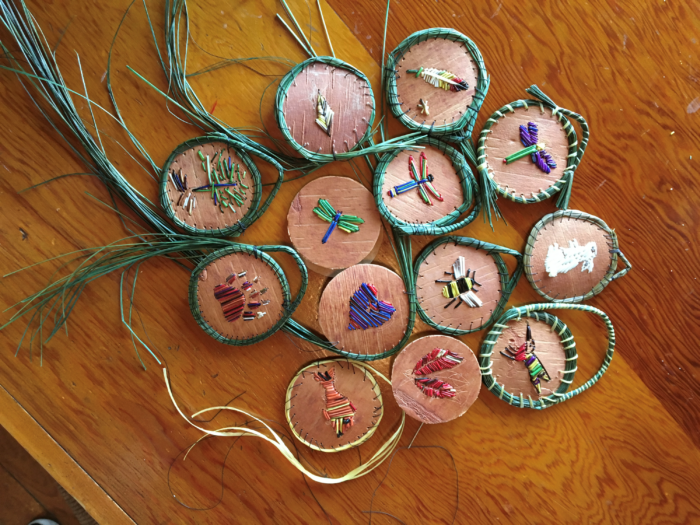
463, 287
526, 354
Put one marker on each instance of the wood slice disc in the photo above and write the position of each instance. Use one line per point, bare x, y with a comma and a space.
306, 229
306, 400
409, 206
434, 304
513, 375
348, 95
523, 176
565, 228
205, 216
465, 378
444, 107
210, 313
334, 310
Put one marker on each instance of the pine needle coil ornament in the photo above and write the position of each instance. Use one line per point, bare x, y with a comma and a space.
334, 405
339, 142
450, 221
539, 313
542, 106
228, 197
599, 256
412, 110
433, 266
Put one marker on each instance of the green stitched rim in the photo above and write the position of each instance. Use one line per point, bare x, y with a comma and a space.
533, 311
508, 283
284, 86
254, 211
289, 305
449, 222
571, 161
288, 405
467, 120
614, 246
489, 188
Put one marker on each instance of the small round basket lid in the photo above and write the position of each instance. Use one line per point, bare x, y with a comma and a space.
324, 106
345, 317
187, 195
436, 379
571, 256
333, 405
436, 81
237, 296
307, 224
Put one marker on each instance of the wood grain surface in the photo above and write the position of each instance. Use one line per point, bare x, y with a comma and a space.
626, 451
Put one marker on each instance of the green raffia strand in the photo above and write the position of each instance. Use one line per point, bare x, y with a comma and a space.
614, 249
508, 283
532, 311
44, 75
461, 128
449, 222
289, 305
489, 188
254, 212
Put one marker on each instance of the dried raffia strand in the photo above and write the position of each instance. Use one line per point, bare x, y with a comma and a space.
270, 436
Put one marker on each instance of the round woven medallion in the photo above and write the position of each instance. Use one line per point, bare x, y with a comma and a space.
486, 276
237, 295
333, 405
512, 375
342, 249
425, 201
572, 256
190, 201
324, 106
443, 364
364, 338
436, 81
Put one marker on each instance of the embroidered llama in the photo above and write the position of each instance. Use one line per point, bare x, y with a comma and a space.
561, 260
339, 409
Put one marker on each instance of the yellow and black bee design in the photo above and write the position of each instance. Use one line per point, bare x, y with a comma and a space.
463, 287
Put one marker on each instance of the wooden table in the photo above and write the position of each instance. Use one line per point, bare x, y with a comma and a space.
626, 451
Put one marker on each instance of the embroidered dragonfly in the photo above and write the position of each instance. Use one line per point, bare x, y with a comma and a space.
347, 223
421, 180
526, 354
529, 137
